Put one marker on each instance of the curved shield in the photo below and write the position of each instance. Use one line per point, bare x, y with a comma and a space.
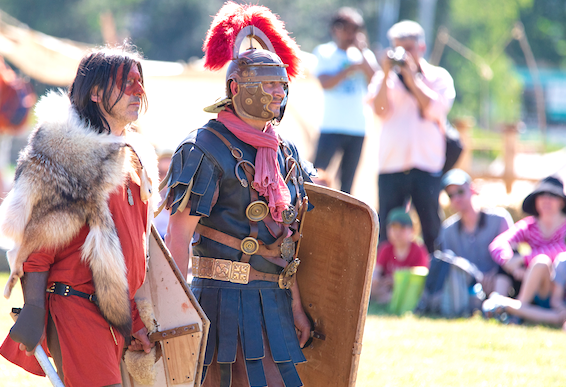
182, 326
337, 256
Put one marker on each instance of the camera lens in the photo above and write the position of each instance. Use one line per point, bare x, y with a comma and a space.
397, 56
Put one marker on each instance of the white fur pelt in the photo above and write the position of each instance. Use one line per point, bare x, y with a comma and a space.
63, 180
139, 364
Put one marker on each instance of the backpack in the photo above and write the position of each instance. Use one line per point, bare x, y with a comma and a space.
451, 288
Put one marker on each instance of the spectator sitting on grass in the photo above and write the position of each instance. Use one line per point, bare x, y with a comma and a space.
400, 251
469, 232
545, 233
546, 310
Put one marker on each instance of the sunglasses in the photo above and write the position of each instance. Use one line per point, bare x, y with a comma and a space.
458, 192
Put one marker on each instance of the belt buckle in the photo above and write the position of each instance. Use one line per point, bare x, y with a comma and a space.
221, 270
287, 276
203, 267
240, 273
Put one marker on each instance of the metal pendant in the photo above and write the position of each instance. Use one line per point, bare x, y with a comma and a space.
287, 249
249, 245
130, 196
257, 210
289, 214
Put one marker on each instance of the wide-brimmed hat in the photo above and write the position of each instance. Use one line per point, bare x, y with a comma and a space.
552, 185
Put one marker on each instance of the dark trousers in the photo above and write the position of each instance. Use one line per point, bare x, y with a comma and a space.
423, 187
351, 146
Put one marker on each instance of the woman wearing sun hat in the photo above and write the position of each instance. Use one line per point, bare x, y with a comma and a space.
545, 233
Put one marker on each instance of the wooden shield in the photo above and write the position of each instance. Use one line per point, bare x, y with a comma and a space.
182, 324
337, 254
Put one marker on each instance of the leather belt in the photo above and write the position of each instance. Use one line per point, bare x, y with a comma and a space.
66, 290
272, 252
228, 271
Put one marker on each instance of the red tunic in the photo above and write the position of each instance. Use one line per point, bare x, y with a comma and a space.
418, 256
90, 355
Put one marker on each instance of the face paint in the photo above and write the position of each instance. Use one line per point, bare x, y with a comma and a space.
133, 82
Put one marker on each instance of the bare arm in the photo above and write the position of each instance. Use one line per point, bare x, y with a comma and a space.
302, 323
415, 84
515, 266
180, 232
329, 81
381, 100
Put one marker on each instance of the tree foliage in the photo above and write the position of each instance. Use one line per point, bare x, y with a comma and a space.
486, 30
174, 30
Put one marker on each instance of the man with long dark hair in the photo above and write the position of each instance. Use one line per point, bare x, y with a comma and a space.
78, 214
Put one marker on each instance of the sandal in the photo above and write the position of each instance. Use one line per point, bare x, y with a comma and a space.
494, 307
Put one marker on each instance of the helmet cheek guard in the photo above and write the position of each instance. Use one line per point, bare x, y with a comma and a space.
277, 119
251, 101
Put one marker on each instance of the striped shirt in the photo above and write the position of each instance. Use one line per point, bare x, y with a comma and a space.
527, 231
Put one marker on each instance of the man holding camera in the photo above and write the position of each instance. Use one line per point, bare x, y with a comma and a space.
344, 68
412, 98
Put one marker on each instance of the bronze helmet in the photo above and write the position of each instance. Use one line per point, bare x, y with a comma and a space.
249, 69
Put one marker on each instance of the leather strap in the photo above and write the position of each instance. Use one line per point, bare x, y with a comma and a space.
273, 255
61, 289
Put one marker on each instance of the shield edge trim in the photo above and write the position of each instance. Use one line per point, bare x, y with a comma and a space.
362, 313
190, 295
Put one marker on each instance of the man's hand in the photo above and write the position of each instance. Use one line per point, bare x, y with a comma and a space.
409, 70
32, 351
141, 341
302, 325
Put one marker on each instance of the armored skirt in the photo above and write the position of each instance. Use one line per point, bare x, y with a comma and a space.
206, 177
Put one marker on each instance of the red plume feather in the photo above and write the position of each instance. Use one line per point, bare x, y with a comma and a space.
230, 20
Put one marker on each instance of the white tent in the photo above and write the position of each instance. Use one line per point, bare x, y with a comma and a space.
177, 92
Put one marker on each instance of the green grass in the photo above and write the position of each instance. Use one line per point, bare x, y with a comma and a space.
414, 351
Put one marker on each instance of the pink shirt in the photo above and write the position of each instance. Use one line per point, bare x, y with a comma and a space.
527, 230
409, 140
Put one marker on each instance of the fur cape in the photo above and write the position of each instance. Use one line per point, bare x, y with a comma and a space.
64, 178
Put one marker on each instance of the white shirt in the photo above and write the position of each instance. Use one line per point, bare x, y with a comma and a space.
344, 104
409, 140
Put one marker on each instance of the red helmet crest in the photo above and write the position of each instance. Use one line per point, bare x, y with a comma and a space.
231, 19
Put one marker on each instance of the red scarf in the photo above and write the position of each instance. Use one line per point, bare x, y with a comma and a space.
267, 180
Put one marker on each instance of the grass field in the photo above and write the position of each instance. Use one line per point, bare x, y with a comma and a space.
413, 351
